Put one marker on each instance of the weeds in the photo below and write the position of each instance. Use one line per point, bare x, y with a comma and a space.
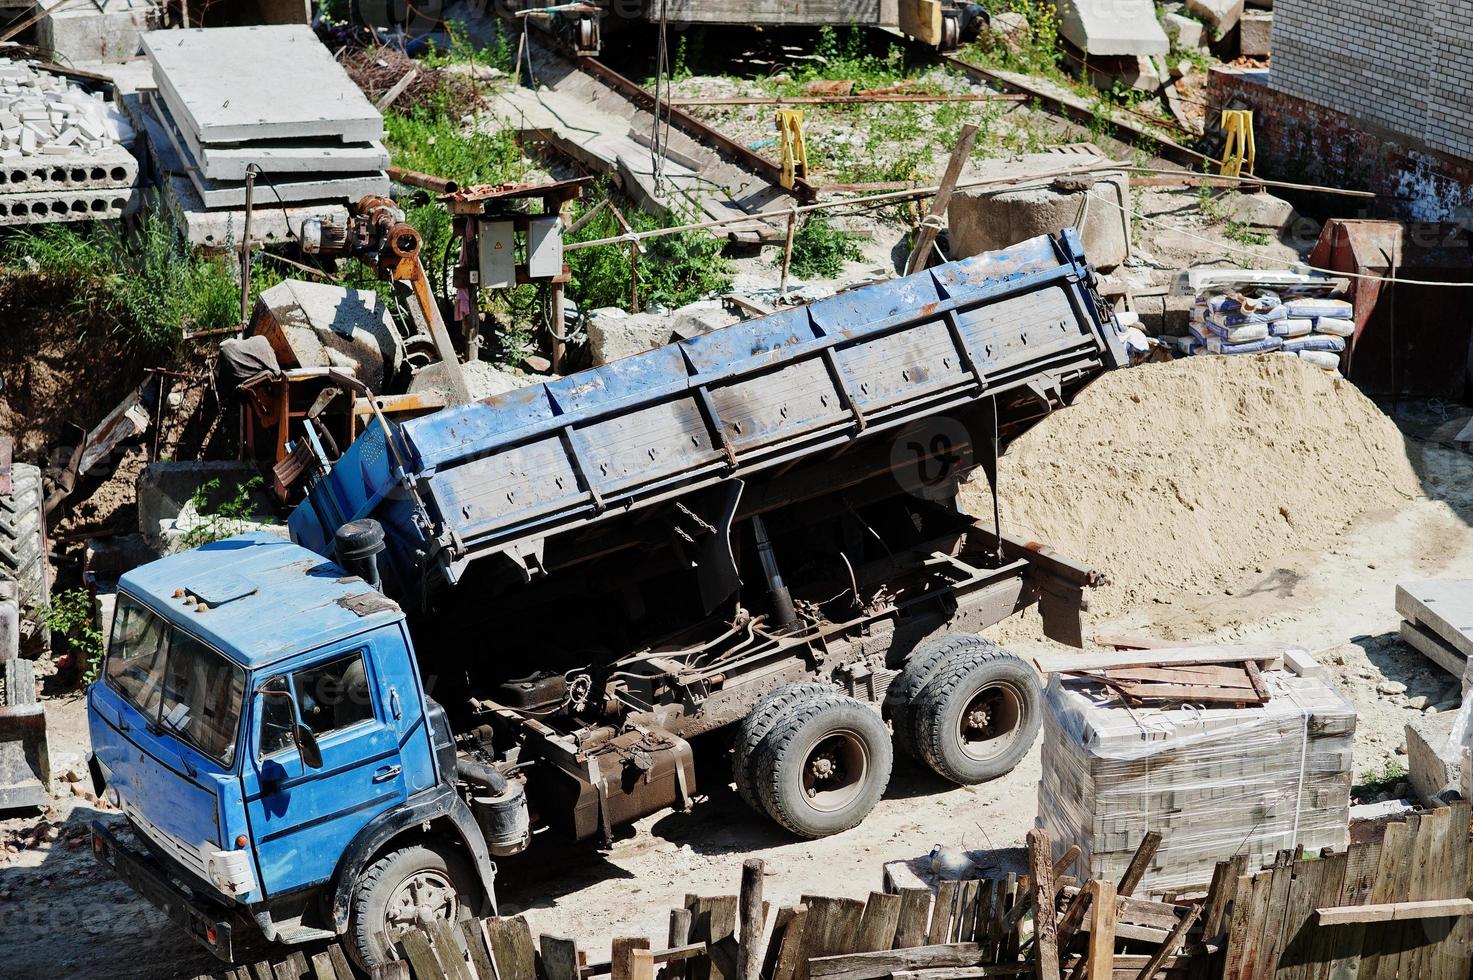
1037, 53
1380, 782
147, 284
229, 518
70, 616
820, 249
1244, 235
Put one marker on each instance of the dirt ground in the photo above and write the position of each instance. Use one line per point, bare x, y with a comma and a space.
61, 914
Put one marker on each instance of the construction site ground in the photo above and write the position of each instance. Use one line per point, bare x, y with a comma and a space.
62, 913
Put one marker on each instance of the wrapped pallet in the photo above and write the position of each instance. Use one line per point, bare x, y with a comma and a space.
1214, 780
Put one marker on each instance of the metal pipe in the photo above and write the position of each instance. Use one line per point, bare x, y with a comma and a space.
245, 246
782, 600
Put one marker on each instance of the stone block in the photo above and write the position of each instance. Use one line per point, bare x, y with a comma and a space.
1112, 27
983, 220
168, 510
1255, 33
1186, 33
109, 31
1431, 768
1220, 16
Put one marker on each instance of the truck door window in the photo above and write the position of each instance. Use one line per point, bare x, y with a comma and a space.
201, 697
276, 718
135, 662
333, 695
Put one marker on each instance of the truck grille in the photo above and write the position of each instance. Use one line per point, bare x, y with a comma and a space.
187, 855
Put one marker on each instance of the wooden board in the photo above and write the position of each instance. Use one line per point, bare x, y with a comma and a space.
511, 948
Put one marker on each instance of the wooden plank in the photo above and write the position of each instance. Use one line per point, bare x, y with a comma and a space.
1102, 928
1245, 935
1458, 951
1140, 863
713, 919
340, 962
1189, 692
965, 921
392, 970
620, 960
749, 954
915, 910
263, 971
833, 928
1263, 654
449, 951
477, 949
1012, 928
881, 963
1383, 889
941, 914
987, 891
1342, 960
1219, 896
793, 949
1173, 942
559, 957
1409, 959
322, 968
1395, 911
877, 925
1045, 921
287, 970
421, 955
511, 948
1313, 880
1274, 913
1323, 941
641, 964
678, 934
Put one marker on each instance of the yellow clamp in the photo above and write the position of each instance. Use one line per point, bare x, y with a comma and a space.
794, 152
1238, 151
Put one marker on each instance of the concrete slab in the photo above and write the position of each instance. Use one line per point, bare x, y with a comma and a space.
68, 205
218, 229
112, 167
1186, 33
1255, 33
1220, 15
237, 84
1112, 27
1443, 607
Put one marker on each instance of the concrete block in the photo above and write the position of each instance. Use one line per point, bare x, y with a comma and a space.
1136, 72
316, 324
1221, 16
613, 333
109, 31
166, 506
238, 84
1259, 210
1186, 33
68, 205
1112, 27
1431, 769
983, 220
1255, 33
485, 380
114, 167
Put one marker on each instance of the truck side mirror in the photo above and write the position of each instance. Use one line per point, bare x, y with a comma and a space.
307, 745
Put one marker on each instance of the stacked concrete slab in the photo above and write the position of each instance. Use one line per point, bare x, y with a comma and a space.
272, 96
61, 158
1437, 621
1214, 781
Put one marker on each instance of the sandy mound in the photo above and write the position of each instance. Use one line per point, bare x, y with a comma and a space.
1173, 477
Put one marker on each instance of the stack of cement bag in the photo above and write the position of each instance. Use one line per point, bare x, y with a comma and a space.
1260, 321
1213, 780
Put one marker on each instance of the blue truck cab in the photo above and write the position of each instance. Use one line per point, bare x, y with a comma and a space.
261, 722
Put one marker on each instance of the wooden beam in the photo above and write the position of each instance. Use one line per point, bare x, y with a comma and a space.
1262, 654
882, 963
1140, 862
1440, 908
931, 225
1102, 930
1045, 921
749, 952
1169, 947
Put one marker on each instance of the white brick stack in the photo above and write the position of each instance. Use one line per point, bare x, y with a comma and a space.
1214, 781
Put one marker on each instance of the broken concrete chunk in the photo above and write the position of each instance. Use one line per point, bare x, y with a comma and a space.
1220, 15
1255, 33
1008, 29
1113, 27
1186, 33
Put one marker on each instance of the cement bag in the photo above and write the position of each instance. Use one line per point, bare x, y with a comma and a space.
1217, 345
1313, 306
1291, 327
1315, 341
1240, 334
1199, 332
1256, 302
1184, 346
1244, 316
1335, 325
1321, 359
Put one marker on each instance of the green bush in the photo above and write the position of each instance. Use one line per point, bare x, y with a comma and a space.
69, 616
820, 249
673, 270
228, 519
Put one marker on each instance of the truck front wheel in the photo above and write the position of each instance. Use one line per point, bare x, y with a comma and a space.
977, 717
824, 766
404, 889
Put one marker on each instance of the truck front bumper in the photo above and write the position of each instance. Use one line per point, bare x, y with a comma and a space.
206, 922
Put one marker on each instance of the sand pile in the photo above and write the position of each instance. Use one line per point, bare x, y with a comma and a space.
1180, 476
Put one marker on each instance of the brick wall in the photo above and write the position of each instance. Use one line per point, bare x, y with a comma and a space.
1405, 65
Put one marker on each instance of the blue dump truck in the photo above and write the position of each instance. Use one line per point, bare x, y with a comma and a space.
514, 616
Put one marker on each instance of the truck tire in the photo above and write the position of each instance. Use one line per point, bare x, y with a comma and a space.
766, 713
23, 555
824, 765
932, 656
978, 717
390, 896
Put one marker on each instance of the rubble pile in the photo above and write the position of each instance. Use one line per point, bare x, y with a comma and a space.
62, 150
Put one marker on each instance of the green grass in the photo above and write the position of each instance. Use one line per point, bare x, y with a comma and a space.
820, 249
1039, 54
1378, 782
146, 285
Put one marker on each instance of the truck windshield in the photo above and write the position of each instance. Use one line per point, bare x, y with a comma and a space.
176, 681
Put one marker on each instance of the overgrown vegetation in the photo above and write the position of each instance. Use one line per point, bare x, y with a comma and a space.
673, 270
69, 617
1379, 782
231, 516
146, 284
1034, 52
820, 249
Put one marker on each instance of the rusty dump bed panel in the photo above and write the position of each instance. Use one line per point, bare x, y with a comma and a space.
503, 474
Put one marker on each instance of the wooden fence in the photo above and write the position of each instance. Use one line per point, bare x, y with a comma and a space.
1390, 908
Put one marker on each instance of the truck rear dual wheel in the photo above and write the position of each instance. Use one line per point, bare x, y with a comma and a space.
977, 715
824, 765
766, 713
408, 888
903, 699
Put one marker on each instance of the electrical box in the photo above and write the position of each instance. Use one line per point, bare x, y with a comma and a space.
544, 247
498, 254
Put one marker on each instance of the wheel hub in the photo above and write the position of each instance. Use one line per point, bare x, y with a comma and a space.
824, 767
420, 900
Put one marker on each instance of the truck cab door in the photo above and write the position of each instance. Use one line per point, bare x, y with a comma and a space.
302, 817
